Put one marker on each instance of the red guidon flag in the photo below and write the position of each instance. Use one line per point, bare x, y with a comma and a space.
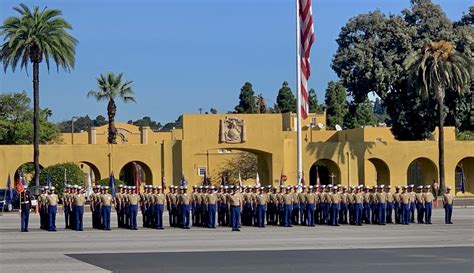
19, 186
307, 40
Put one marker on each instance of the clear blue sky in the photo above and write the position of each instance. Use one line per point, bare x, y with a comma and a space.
188, 54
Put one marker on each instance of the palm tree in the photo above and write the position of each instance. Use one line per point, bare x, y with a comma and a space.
434, 70
111, 87
31, 37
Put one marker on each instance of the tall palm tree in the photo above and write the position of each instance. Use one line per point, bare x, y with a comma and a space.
31, 37
434, 70
111, 87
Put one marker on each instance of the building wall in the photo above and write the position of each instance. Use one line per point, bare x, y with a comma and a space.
366, 156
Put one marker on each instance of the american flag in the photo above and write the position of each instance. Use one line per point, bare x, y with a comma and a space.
306, 40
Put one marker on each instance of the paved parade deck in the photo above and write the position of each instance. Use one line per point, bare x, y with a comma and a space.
370, 248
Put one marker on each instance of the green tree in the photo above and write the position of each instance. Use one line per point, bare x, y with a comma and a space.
111, 87
80, 124
177, 124
247, 100
99, 121
147, 121
31, 37
380, 111
286, 101
434, 71
336, 105
359, 115
213, 111
370, 56
314, 106
74, 175
15, 121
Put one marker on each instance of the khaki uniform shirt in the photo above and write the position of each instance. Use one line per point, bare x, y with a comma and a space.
358, 198
288, 199
302, 197
412, 196
396, 197
159, 199
344, 198
79, 200
211, 199
389, 197
311, 198
261, 199
133, 199
235, 199
185, 199
172, 198
419, 197
428, 197
381, 198
52, 199
335, 198
273, 198
405, 198
106, 199
43, 199
448, 199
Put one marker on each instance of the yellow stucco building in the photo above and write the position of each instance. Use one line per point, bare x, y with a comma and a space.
367, 156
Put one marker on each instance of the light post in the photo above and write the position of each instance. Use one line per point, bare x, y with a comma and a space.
72, 128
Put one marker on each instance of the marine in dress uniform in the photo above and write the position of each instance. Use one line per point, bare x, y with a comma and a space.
106, 201
412, 203
288, 203
405, 198
235, 207
184, 201
211, 201
428, 203
358, 200
42, 201
25, 206
52, 202
448, 199
381, 201
366, 207
159, 203
302, 197
133, 201
66, 205
344, 206
193, 206
373, 205
419, 203
79, 201
335, 206
272, 207
397, 205
390, 205
350, 205
261, 200
310, 203
295, 213
172, 206
120, 206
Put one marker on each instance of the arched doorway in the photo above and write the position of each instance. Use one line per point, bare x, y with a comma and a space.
465, 170
90, 169
224, 165
378, 172
133, 170
327, 171
26, 170
422, 171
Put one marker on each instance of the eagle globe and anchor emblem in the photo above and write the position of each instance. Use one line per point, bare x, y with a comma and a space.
232, 130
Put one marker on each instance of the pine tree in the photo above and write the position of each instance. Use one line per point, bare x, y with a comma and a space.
359, 115
286, 101
247, 100
314, 106
336, 105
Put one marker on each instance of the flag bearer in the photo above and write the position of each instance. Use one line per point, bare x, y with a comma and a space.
66, 205
448, 199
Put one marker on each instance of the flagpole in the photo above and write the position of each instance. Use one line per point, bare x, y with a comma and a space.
299, 159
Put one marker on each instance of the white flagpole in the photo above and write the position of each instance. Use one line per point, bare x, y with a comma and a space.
299, 160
